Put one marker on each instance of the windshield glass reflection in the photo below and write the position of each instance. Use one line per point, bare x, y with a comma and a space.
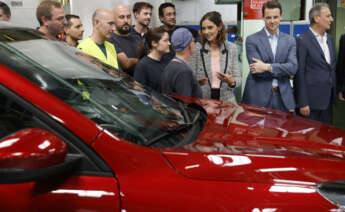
107, 96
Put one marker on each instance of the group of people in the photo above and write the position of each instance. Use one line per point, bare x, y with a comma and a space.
169, 60
309, 61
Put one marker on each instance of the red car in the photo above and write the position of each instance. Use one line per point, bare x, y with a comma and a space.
77, 135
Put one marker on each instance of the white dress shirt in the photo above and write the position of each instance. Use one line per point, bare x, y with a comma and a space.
322, 40
273, 40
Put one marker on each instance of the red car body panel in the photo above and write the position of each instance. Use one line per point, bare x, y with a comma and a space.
245, 159
237, 148
75, 193
148, 183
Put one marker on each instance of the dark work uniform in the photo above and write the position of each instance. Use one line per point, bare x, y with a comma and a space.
127, 44
178, 79
148, 72
134, 33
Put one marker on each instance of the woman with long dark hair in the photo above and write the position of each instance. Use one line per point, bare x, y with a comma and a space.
215, 61
149, 69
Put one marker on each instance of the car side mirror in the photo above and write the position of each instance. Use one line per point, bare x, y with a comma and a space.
31, 155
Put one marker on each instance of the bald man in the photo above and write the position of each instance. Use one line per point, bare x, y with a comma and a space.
97, 45
125, 43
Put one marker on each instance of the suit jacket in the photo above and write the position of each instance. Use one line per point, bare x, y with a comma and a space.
315, 82
258, 90
196, 63
341, 65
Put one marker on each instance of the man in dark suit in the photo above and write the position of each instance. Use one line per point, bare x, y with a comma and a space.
315, 82
341, 69
272, 58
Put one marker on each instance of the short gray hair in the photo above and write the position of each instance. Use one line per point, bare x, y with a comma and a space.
316, 10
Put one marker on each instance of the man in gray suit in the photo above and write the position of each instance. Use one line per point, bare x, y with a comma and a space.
272, 58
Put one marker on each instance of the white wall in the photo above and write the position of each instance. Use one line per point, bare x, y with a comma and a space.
85, 9
191, 11
24, 13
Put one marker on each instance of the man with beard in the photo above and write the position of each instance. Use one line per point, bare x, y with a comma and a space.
74, 30
126, 44
97, 45
167, 15
142, 13
51, 16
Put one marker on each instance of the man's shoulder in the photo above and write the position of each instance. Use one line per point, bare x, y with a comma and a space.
84, 43
286, 37
305, 36
257, 34
133, 31
134, 34
124, 40
180, 67
253, 38
134, 38
175, 69
173, 66
115, 37
107, 43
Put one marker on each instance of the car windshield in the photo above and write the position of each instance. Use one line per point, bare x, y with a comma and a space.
107, 96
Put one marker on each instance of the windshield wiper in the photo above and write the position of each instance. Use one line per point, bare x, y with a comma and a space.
174, 130
169, 132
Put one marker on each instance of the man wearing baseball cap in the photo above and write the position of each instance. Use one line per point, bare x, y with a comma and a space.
178, 77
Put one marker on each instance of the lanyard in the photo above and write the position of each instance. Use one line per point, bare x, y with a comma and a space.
179, 59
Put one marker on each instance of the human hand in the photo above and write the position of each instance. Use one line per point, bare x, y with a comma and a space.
258, 66
202, 81
305, 111
226, 78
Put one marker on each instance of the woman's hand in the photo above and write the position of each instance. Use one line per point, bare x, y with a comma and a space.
226, 78
202, 81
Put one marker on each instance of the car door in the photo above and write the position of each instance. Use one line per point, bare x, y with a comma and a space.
91, 187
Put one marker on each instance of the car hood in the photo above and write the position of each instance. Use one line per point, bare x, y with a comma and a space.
253, 144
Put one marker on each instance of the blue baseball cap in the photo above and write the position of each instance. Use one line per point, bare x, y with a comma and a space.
181, 38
